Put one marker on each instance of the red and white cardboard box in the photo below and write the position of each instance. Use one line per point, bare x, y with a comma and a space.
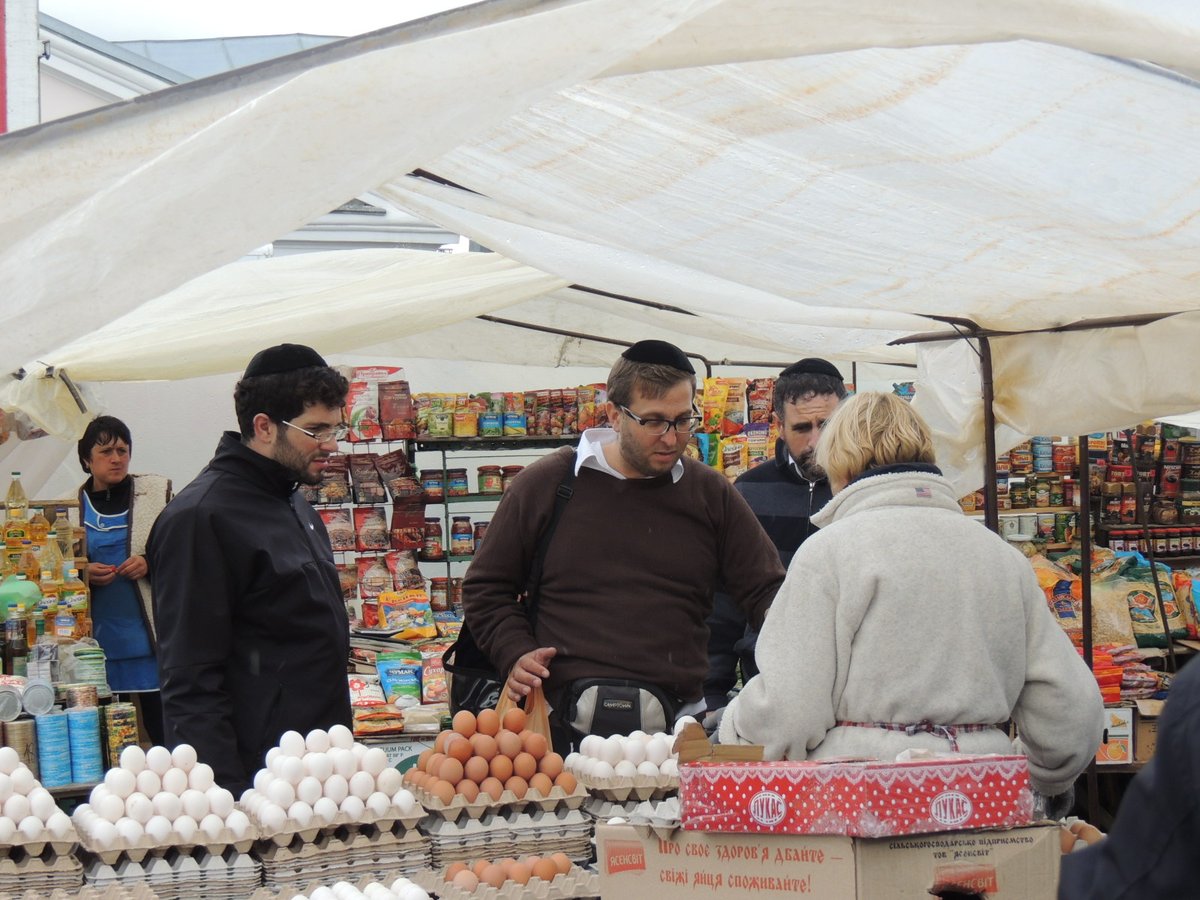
868, 798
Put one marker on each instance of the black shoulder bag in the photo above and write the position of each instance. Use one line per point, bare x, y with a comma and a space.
475, 684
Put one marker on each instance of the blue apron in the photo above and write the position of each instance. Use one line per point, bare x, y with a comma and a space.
117, 622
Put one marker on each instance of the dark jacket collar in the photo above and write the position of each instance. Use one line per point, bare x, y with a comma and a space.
927, 468
234, 456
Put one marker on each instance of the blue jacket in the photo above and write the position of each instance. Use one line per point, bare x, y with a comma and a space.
783, 501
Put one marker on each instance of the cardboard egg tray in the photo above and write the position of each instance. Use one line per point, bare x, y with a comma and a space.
49, 870
508, 801
387, 822
510, 834
619, 790
112, 892
347, 855
63, 846
661, 812
577, 882
290, 893
180, 875
147, 846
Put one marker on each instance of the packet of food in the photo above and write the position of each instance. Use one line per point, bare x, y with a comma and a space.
733, 419
362, 412
557, 412
370, 528
365, 690
404, 568
421, 406
408, 612
532, 425
408, 526
397, 415
348, 579
757, 443
433, 678
367, 485
335, 481
448, 623
373, 576
735, 456
400, 677
759, 400
340, 527
585, 402
712, 411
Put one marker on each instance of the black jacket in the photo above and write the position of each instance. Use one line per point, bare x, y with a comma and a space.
252, 629
783, 501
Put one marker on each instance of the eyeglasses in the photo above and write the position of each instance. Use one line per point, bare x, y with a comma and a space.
655, 425
337, 433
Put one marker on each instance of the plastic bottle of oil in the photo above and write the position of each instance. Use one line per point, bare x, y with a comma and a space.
50, 556
39, 527
16, 505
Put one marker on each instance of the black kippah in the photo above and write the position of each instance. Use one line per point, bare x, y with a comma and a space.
812, 366
659, 353
282, 358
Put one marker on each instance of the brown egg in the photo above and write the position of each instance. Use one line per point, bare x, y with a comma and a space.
551, 764
466, 880
442, 790
459, 747
487, 722
484, 745
434, 763
492, 787
567, 782
501, 767
493, 875
469, 790
544, 869
464, 723
479, 865
524, 765
476, 768
536, 745
514, 719
418, 777
561, 861
505, 862
541, 783
519, 872
509, 743
450, 770
518, 785
439, 742
453, 869
423, 759
530, 860
410, 776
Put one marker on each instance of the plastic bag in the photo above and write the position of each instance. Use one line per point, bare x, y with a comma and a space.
537, 711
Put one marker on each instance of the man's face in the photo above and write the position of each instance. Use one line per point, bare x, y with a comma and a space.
644, 454
800, 425
300, 454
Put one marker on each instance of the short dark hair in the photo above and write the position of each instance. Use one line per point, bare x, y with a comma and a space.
101, 430
627, 378
285, 395
790, 388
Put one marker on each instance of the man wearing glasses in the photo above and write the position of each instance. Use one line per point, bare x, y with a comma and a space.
628, 578
252, 629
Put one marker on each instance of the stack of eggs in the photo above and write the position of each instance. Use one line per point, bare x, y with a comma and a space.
29, 811
400, 889
325, 778
638, 756
159, 798
483, 757
467, 876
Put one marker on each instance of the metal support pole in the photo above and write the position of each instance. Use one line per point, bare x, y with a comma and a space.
991, 514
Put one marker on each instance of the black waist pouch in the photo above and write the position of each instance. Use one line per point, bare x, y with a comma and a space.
607, 706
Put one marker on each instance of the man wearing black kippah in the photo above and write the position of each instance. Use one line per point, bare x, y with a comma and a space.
783, 493
619, 641
252, 629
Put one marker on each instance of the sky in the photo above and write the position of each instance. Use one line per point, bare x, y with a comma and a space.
127, 20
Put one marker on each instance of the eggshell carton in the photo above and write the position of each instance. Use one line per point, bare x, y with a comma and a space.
508, 800
640, 787
575, 883
308, 887
34, 847
146, 846
291, 828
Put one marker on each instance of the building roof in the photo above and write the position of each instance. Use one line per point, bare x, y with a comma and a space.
115, 51
201, 57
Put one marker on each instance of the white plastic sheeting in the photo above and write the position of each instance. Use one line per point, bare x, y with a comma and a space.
762, 164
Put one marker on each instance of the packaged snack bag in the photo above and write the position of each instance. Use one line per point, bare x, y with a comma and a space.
400, 677
335, 481
366, 483
734, 418
397, 414
362, 412
408, 526
405, 571
409, 612
373, 577
365, 690
340, 527
759, 397
370, 528
433, 677
712, 409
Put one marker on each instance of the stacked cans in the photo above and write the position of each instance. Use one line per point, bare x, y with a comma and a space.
83, 729
54, 749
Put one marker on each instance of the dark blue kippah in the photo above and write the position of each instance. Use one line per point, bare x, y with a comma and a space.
812, 366
659, 353
282, 358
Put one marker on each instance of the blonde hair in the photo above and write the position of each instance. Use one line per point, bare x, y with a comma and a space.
868, 430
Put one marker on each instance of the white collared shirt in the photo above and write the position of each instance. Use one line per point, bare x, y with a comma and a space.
591, 454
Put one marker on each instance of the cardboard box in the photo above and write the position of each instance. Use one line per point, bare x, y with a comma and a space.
637, 864
1145, 733
861, 798
1117, 746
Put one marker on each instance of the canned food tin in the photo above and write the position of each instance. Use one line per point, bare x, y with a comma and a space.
54, 749
83, 733
21, 735
10, 702
1064, 527
1045, 526
81, 695
38, 698
120, 730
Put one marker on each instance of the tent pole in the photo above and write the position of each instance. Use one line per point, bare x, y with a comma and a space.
1085, 544
991, 513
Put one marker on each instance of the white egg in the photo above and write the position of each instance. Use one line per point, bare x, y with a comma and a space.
158, 760
682, 722
31, 827
148, 782
587, 765
104, 835
638, 735
175, 781
212, 825
291, 769
184, 757
167, 805
317, 740
345, 763
200, 778
133, 759
404, 800
612, 752
139, 807
341, 736
121, 782
374, 761
22, 780
292, 743
255, 804
16, 807
271, 756
358, 749
129, 830
379, 803
220, 801
300, 813
389, 780
6, 787
616, 820
648, 770
635, 751
281, 793
8, 829
100, 790
59, 825
158, 829
657, 750
602, 770
41, 804
9, 760
309, 790
248, 796
262, 778
572, 760
324, 811
376, 891
353, 807
336, 788
362, 785
185, 826
238, 823
322, 893
590, 745
625, 769
669, 768
318, 765
273, 818
195, 804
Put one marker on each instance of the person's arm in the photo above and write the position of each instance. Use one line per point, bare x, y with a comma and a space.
750, 566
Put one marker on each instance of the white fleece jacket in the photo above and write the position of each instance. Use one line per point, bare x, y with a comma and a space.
903, 610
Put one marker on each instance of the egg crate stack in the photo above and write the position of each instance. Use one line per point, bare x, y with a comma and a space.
182, 874
510, 833
365, 889
659, 812
621, 769
325, 781
50, 870
157, 800
343, 854
112, 892
525, 878
37, 838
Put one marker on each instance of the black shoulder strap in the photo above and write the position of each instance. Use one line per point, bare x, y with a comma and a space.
533, 588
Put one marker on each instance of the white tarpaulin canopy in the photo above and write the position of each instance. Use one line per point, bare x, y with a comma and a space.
780, 178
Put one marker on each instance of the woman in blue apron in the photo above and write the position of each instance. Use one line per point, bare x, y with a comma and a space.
118, 510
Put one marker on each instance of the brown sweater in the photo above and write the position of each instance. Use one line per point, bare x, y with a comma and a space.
629, 576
